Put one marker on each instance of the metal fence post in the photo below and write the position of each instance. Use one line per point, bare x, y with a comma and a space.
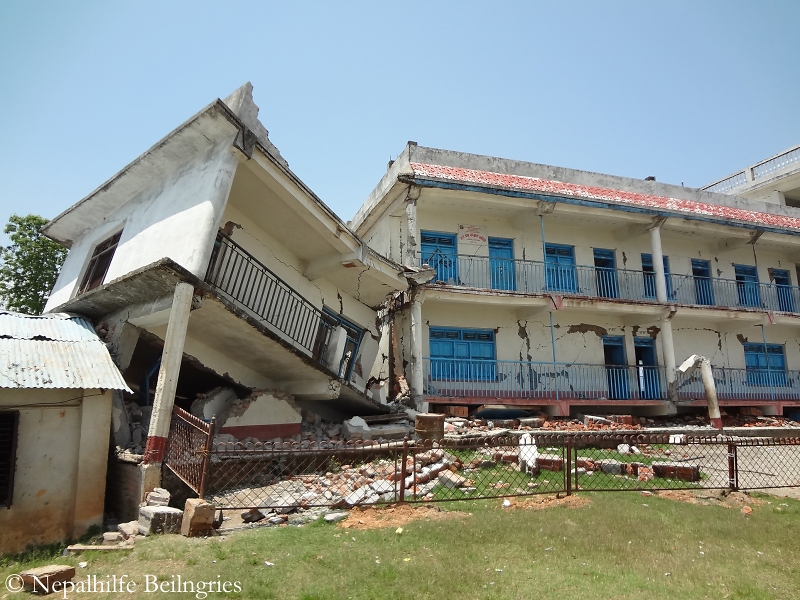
733, 467
403, 460
575, 485
568, 466
204, 473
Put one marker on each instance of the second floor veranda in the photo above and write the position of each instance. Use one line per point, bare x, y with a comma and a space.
604, 283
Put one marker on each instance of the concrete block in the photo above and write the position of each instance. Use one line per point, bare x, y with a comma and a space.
198, 517
356, 429
610, 466
111, 538
335, 516
129, 529
158, 497
41, 579
159, 519
452, 480
252, 516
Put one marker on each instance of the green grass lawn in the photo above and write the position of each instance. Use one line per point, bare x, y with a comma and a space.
619, 545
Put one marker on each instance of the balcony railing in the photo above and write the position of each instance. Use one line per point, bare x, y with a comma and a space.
744, 384
521, 379
755, 172
247, 282
508, 379
532, 277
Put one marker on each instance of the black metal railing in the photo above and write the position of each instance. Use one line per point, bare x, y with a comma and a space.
252, 285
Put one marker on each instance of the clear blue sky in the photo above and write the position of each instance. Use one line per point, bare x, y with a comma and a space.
686, 91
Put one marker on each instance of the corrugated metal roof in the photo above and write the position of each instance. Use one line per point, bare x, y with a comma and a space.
535, 184
58, 327
54, 351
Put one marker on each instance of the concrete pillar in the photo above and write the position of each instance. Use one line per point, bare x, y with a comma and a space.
412, 247
667, 343
168, 375
658, 264
668, 350
417, 382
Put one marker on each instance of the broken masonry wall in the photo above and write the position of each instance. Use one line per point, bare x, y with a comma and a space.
268, 415
174, 218
60, 470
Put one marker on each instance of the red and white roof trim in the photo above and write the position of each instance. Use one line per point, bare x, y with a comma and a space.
547, 186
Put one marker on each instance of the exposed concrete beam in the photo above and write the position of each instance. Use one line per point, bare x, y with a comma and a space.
734, 243
635, 230
327, 389
530, 216
325, 265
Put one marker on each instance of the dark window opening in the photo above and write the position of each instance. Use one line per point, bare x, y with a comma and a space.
9, 426
99, 263
331, 320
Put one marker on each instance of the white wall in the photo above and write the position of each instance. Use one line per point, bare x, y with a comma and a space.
176, 218
319, 292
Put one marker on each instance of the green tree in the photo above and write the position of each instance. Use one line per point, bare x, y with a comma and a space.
29, 266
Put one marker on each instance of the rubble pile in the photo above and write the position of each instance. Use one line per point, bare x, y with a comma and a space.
462, 426
377, 481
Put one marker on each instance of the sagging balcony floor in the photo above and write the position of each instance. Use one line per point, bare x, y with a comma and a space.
226, 328
513, 277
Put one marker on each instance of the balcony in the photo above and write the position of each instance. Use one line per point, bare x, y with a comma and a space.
507, 379
248, 283
521, 380
744, 384
537, 278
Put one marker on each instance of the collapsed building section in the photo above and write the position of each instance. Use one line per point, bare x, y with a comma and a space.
221, 284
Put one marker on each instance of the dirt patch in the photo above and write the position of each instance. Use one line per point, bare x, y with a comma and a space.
711, 498
541, 502
397, 516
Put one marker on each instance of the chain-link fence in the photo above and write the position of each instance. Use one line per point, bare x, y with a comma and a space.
288, 476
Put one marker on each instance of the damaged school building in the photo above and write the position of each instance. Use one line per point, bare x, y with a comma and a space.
221, 284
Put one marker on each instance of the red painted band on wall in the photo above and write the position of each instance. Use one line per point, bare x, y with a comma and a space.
263, 432
155, 450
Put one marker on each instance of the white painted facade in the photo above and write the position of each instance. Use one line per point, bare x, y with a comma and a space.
477, 195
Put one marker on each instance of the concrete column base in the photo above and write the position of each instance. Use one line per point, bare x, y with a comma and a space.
151, 479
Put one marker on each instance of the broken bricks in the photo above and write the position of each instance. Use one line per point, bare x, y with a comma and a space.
198, 518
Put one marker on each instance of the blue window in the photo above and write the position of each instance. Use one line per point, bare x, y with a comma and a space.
701, 271
439, 251
783, 289
647, 368
354, 335
747, 285
462, 354
560, 268
605, 270
765, 364
650, 276
616, 369
501, 263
